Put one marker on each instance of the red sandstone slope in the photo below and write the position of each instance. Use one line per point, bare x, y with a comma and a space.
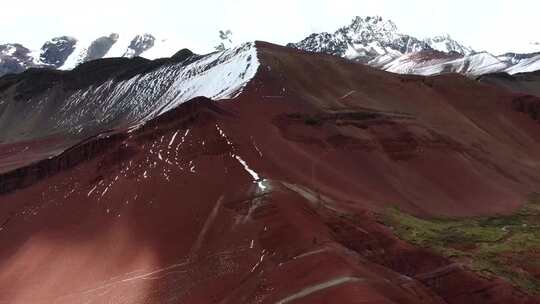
444, 145
268, 198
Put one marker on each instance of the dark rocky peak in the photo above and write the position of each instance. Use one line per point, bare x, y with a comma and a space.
14, 58
101, 46
14, 50
56, 51
323, 43
10, 65
139, 45
182, 55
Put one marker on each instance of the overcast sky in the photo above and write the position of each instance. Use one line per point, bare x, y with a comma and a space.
493, 25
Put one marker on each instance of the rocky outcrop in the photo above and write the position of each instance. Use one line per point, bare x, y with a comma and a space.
14, 58
56, 51
139, 45
100, 47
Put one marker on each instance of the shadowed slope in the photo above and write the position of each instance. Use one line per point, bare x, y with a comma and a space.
526, 83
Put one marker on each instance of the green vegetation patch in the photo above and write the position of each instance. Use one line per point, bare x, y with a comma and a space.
503, 246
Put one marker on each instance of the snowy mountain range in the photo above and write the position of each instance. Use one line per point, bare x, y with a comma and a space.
379, 43
65, 52
370, 40
370, 37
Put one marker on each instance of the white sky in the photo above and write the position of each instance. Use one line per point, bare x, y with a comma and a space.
493, 25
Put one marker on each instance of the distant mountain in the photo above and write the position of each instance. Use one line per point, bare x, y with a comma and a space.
56, 51
433, 62
369, 37
66, 52
15, 58
371, 40
379, 43
445, 43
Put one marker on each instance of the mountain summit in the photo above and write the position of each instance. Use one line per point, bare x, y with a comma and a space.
378, 42
366, 38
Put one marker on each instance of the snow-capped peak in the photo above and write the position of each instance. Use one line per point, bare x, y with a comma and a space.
378, 42
91, 50
56, 51
368, 37
67, 52
445, 43
372, 28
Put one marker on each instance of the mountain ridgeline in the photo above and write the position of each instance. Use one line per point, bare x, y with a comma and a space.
67, 52
379, 43
370, 40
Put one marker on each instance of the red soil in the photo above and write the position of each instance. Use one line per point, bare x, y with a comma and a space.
163, 215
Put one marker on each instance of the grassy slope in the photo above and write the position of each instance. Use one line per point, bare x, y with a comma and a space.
503, 246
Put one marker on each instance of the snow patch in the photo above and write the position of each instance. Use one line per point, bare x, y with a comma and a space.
172, 139
220, 75
247, 168
77, 56
475, 64
525, 66
256, 178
